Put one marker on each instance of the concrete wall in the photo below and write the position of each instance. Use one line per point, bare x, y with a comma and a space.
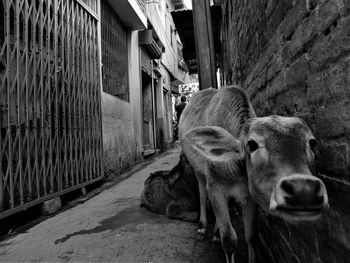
148, 113
164, 110
121, 120
167, 105
293, 58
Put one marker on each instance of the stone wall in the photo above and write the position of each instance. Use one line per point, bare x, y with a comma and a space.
293, 58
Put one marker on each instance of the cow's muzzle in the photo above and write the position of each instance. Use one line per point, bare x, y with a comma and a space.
299, 197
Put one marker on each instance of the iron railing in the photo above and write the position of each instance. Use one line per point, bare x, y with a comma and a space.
50, 114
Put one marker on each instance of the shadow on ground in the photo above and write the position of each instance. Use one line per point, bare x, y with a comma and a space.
130, 216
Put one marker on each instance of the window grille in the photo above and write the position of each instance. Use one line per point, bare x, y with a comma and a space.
114, 53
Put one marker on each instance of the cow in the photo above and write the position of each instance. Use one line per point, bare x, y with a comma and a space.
257, 161
173, 193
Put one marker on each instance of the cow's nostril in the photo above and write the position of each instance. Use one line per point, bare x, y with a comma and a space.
302, 192
288, 187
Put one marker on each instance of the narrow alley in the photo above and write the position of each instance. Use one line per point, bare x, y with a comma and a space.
175, 131
112, 227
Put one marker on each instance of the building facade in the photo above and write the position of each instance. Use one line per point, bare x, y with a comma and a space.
169, 71
85, 88
137, 88
120, 83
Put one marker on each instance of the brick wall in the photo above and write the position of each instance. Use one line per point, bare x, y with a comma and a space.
293, 58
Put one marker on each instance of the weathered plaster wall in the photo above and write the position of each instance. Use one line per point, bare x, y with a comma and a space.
293, 58
148, 114
121, 120
164, 108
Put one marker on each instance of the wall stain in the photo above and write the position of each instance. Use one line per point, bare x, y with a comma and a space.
130, 216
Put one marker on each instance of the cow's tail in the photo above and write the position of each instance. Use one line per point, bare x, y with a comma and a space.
178, 170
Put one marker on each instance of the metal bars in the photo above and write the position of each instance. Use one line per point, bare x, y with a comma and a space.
92, 4
50, 111
114, 53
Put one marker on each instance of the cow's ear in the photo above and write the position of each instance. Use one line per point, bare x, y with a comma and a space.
213, 143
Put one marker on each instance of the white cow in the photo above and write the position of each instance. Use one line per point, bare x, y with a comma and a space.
265, 161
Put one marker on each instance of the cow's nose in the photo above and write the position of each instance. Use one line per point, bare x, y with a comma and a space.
302, 192
299, 192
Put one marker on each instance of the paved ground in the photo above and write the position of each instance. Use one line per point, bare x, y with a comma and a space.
112, 227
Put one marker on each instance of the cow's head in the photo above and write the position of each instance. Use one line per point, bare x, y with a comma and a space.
280, 165
279, 159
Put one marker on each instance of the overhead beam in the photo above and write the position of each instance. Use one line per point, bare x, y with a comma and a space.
204, 40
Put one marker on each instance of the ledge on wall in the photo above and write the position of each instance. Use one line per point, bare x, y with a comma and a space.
130, 13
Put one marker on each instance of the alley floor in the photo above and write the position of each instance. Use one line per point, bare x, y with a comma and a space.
112, 227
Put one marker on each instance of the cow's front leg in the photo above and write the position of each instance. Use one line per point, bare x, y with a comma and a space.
228, 235
250, 228
202, 228
216, 237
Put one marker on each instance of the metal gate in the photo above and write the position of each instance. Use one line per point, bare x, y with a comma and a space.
50, 114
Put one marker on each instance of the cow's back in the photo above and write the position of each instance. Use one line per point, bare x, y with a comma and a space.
228, 107
195, 113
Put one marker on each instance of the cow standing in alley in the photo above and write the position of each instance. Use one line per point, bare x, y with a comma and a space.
265, 161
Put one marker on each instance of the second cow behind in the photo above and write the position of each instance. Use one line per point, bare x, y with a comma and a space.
266, 161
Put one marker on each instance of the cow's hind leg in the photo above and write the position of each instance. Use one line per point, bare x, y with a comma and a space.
227, 233
202, 227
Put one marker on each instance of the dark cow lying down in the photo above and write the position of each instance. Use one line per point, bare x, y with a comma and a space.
173, 193
266, 161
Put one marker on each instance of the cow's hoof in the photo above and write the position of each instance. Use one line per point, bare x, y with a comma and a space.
216, 239
201, 234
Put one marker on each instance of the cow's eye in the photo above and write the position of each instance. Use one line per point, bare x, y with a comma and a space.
312, 143
252, 145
